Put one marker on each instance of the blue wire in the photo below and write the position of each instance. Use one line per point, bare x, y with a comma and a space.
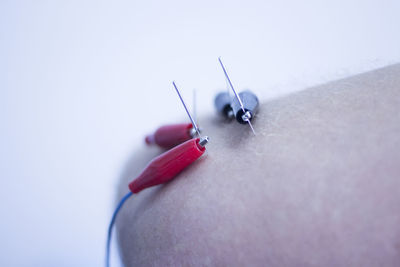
111, 226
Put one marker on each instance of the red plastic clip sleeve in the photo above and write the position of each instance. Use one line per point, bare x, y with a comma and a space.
167, 165
170, 135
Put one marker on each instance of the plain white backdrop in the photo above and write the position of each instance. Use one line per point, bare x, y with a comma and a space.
82, 82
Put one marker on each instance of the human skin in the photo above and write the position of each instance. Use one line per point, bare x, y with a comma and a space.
319, 185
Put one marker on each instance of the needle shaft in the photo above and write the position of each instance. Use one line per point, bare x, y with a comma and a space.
230, 84
236, 94
187, 111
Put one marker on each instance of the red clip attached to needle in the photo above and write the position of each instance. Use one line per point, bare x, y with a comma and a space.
167, 165
168, 136
172, 135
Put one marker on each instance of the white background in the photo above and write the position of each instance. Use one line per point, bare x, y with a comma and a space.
81, 83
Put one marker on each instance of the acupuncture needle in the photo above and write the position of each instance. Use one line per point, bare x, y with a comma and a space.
246, 115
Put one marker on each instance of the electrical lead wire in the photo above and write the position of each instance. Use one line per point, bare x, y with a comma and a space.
110, 227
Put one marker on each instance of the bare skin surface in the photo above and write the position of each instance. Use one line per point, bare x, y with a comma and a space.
319, 185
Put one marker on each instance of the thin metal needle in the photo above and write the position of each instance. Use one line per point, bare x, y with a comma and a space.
194, 104
187, 111
227, 87
251, 126
230, 83
236, 95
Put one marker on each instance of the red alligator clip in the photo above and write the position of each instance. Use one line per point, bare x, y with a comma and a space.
167, 165
171, 135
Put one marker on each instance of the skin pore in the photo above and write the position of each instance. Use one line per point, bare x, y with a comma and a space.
319, 185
